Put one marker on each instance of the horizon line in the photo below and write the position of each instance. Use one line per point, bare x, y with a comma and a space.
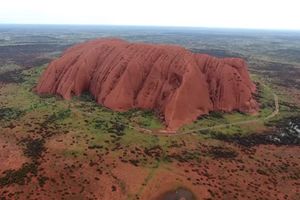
153, 26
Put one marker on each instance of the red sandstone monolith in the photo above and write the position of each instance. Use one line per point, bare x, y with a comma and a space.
174, 82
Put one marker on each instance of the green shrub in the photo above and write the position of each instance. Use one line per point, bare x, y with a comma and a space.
7, 114
19, 176
59, 116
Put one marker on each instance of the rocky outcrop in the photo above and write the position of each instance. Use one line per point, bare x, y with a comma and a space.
176, 83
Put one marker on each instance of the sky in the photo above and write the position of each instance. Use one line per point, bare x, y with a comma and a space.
259, 14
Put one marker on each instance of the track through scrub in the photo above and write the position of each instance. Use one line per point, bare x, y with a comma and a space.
172, 133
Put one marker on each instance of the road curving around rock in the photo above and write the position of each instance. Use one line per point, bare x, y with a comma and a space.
194, 131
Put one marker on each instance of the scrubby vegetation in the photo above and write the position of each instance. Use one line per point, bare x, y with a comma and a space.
222, 152
58, 116
20, 176
7, 114
15, 76
33, 147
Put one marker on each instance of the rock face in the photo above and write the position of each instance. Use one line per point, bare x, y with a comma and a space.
176, 83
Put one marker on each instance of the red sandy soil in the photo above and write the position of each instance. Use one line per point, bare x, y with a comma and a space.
233, 179
11, 155
176, 83
261, 172
88, 175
